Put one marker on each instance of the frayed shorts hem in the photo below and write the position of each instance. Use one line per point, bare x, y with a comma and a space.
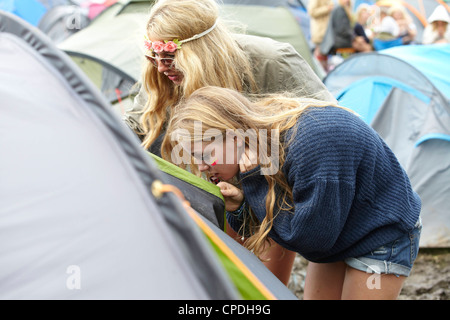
377, 266
396, 257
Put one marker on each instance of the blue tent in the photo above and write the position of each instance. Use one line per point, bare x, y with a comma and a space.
404, 94
432, 61
418, 69
29, 10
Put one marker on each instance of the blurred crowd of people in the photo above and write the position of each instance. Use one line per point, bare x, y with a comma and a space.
338, 31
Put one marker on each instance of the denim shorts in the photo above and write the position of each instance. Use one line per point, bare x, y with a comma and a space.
396, 257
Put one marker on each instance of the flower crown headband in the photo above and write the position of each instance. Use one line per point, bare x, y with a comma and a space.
170, 46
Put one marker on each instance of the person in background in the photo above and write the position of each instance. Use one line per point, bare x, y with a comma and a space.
342, 22
388, 29
407, 27
361, 41
319, 12
339, 37
314, 178
437, 31
187, 46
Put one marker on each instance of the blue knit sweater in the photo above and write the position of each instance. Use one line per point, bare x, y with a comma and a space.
350, 194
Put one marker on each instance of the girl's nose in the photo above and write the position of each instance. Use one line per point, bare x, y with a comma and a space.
162, 67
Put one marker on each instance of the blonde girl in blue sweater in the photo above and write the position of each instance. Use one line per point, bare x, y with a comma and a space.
313, 178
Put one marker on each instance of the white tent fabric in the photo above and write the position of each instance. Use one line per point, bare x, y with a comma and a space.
76, 217
427, 163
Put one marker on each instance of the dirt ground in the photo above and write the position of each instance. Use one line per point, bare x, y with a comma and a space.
429, 279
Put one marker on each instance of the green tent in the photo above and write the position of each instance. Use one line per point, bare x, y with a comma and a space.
109, 49
277, 23
115, 36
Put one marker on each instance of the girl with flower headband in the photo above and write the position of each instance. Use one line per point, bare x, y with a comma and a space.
188, 47
202, 51
339, 197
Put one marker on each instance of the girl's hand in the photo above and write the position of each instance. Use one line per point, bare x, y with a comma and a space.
233, 196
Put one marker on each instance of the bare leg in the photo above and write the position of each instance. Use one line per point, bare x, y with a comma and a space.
333, 281
324, 281
360, 285
280, 261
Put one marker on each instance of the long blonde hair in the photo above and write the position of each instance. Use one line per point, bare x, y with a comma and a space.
223, 109
213, 59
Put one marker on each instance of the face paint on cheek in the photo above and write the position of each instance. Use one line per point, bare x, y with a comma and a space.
214, 162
